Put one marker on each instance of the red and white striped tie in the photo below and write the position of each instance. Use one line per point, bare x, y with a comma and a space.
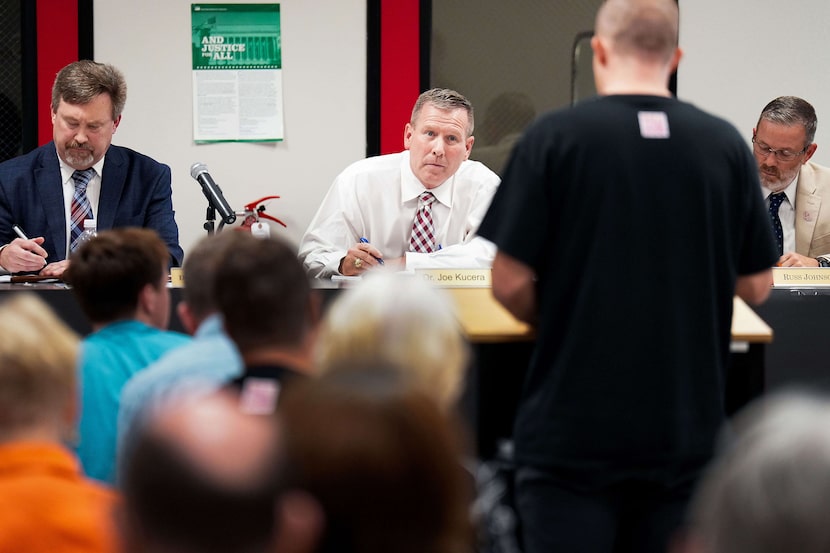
423, 236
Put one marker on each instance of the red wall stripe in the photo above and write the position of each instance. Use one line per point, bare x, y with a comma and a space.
57, 45
400, 80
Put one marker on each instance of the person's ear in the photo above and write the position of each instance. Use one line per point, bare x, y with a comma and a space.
407, 135
150, 305
600, 53
675, 59
469, 146
147, 299
188, 320
811, 149
300, 522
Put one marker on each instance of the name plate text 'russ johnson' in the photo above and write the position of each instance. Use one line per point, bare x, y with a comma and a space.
810, 277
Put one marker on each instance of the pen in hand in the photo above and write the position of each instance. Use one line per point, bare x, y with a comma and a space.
365, 241
19, 231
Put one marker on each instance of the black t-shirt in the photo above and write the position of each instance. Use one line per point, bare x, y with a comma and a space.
637, 214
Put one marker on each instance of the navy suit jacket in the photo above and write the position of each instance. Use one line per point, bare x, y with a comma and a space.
135, 192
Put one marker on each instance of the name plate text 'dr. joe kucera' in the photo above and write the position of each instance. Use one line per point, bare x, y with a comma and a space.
457, 278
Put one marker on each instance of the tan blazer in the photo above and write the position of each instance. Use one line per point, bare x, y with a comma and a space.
812, 211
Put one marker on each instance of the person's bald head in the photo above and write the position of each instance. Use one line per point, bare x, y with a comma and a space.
202, 476
645, 29
202, 431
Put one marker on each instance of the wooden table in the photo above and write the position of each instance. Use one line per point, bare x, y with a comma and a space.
486, 321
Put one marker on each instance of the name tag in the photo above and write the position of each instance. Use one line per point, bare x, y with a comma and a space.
808, 277
653, 124
457, 278
176, 277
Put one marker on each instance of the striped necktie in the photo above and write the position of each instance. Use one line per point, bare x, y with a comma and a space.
775, 201
81, 208
423, 236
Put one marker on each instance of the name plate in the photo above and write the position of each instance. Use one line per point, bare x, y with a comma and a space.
457, 278
176, 277
812, 277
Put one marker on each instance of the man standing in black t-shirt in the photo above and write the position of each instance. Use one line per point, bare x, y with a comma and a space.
625, 226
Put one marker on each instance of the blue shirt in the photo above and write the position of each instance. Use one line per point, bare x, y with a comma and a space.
202, 365
109, 357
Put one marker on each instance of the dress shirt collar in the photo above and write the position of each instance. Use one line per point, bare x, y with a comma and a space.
789, 191
411, 187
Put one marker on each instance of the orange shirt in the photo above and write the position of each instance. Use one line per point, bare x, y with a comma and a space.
47, 505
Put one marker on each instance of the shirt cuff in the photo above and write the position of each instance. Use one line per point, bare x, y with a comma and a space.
3, 270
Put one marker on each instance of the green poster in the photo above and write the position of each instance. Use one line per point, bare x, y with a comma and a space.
237, 72
242, 36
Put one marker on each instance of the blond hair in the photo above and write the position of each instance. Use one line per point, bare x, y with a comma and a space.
38, 358
402, 321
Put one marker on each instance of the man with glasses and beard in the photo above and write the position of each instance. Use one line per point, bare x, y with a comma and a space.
796, 191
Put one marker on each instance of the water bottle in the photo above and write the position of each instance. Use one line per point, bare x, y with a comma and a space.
90, 230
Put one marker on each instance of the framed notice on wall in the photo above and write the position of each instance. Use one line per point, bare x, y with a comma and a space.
237, 73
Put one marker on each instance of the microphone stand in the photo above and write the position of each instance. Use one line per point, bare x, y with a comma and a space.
210, 222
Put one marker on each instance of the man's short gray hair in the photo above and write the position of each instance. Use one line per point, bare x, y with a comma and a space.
792, 110
444, 98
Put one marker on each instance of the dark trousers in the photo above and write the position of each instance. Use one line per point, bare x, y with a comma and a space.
628, 517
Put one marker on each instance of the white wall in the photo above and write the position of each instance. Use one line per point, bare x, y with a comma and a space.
740, 54
324, 86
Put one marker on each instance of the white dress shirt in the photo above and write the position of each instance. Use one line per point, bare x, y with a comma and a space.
376, 198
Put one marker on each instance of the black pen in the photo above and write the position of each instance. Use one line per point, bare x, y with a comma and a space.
19, 231
365, 241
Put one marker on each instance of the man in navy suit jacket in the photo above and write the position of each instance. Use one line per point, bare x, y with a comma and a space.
36, 189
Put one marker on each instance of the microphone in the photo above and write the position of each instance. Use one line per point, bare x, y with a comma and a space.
213, 193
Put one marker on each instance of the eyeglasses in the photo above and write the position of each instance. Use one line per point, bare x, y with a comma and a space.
781, 155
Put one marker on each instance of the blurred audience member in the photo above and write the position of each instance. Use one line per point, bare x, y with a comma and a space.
401, 321
46, 505
202, 477
270, 313
768, 489
205, 363
381, 459
120, 280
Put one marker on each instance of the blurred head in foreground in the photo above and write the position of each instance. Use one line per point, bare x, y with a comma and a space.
399, 321
382, 460
768, 490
